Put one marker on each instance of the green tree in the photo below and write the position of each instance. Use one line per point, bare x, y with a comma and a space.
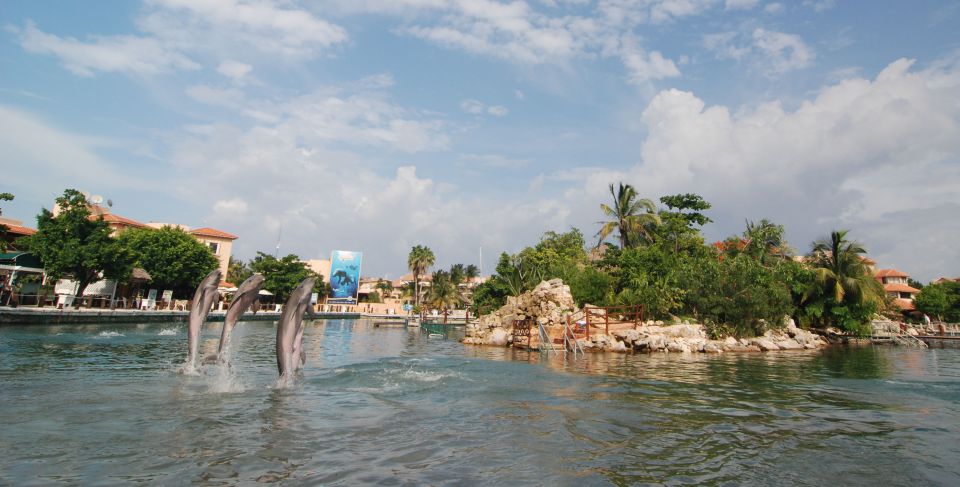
384, 286
940, 300
281, 276
848, 294
74, 245
471, 272
489, 296
457, 274
238, 271
443, 295
173, 258
679, 226
632, 217
3, 228
421, 258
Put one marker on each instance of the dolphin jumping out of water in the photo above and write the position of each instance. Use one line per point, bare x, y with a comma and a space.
246, 295
199, 308
290, 328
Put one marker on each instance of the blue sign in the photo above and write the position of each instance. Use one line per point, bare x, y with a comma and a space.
345, 275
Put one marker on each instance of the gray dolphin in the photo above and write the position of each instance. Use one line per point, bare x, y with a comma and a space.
247, 293
299, 354
290, 325
199, 308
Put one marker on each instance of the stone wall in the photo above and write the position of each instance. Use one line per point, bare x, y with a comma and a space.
548, 304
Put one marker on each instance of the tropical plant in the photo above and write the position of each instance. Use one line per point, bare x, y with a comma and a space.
850, 294
457, 274
238, 271
471, 272
174, 259
73, 244
632, 217
281, 276
421, 258
941, 300
443, 294
384, 287
3, 228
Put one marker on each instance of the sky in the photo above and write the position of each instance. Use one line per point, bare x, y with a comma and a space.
377, 125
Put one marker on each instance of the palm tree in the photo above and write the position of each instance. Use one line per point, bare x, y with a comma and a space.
419, 260
764, 241
841, 272
443, 293
384, 286
633, 218
471, 272
457, 274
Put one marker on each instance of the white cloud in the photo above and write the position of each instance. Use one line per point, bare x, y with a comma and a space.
772, 53
476, 107
741, 4
230, 208
495, 161
228, 98
643, 67
863, 154
123, 54
235, 70
774, 8
784, 52
46, 159
227, 27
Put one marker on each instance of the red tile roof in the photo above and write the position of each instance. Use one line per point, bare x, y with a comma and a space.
899, 288
904, 304
890, 273
19, 230
111, 218
213, 232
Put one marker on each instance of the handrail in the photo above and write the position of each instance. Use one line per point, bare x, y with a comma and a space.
545, 343
568, 337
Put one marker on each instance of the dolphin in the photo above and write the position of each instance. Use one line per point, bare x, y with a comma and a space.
290, 325
199, 308
299, 354
246, 294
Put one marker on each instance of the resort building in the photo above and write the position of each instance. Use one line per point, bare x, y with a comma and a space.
15, 230
220, 242
895, 283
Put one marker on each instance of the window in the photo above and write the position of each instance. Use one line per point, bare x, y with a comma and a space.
214, 247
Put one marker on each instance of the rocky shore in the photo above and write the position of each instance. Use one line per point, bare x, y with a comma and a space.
550, 303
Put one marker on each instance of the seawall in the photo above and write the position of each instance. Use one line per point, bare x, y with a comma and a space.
50, 316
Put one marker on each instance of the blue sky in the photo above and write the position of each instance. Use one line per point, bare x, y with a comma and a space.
376, 125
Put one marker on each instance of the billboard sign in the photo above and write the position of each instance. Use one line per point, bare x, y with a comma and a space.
345, 276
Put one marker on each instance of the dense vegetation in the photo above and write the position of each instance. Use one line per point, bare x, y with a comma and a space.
743, 285
174, 259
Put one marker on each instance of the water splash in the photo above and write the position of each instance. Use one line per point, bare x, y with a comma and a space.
168, 332
109, 334
221, 379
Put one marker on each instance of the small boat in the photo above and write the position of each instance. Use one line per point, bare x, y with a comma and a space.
435, 335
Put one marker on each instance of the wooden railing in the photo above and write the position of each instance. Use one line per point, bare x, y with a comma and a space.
615, 317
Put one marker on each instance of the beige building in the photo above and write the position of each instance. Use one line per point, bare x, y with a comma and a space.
219, 242
895, 283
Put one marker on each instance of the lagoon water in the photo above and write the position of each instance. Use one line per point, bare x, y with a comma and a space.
99, 405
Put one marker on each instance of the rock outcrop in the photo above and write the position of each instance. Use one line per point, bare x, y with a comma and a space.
550, 303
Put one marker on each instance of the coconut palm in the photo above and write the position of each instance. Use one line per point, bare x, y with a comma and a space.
419, 260
384, 286
633, 217
457, 274
471, 272
841, 272
443, 293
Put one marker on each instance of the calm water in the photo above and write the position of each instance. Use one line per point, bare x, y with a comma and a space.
103, 405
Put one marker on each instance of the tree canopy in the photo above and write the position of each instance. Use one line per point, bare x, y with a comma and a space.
421, 258
74, 245
174, 258
281, 276
3, 228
